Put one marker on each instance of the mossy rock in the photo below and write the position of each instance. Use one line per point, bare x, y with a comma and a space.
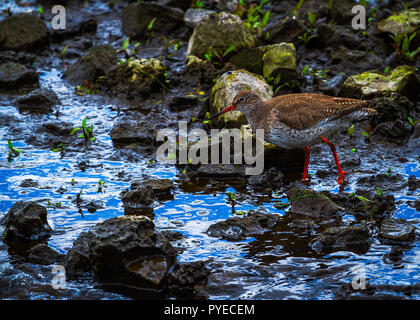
405, 22
220, 31
270, 61
138, 76
402, 80
225, 90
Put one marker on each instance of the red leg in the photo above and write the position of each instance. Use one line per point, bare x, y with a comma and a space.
305, 168
341, 173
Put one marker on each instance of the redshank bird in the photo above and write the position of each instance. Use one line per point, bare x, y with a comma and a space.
300, 120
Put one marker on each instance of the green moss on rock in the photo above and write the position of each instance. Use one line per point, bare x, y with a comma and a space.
402, 80
219, 31
227, 87
405, 22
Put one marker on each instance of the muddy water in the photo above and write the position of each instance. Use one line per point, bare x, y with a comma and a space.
276, 265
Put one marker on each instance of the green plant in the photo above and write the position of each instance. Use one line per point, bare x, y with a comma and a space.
320, 75
87, 131
197, 4
256, 18
295, 10
402, 45
149, 29
101, 184
63, 51
311, 19
13, 152
40, 10
412, 123
350, 130
379, 191
59, 148
87, 88
211, 53
306, 37
366, 134
54, 205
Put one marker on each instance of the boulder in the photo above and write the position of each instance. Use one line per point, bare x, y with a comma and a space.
76, 25
182, 4
94, 64
240, 228
347, 238
188, 277
137, 16
17, 76
193, 16
25, 221
270, 61
397, 230
127, 131
305, 201
23, 32
285, 30
134, 77
124, 250
333, 35
402, 80
138, 200
43, 254
404, 22
225, 90
392, 107
38, 101
197, 70
160, 187
219, 31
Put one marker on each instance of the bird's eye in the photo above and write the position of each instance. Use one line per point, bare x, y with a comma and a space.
242, 99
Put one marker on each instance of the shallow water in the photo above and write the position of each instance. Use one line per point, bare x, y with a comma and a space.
276, 265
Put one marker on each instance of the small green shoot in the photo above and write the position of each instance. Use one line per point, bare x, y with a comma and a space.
366, 134
13, 152
87, 131
350, 130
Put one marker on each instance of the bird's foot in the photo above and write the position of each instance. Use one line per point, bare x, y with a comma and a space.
341, 177
305, 181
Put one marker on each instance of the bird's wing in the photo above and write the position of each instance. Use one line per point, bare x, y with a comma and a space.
302, 111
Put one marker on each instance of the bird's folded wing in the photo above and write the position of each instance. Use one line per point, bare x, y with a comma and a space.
302, 111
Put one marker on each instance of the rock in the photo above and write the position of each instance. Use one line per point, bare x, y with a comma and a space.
413, 183
404, 22
392, 107
226, 5
43, 254
333, 35
414, 141
76, 25
172, 236
23, 32
138, 200
354, 58
160, 187
352, 238
25, 221
340, 11
238, 228
225, 171
285, 30
193, 16
138, 76
271, 179
137, 16
182, 4
393, 131
197, 70
396, 230
394, 255
309, 202
17, 76
188, 277
28, 183
280, 60
225, 90
332, 86
38, 101
219, 31
94, 64
402, 80
132, 131
123, 250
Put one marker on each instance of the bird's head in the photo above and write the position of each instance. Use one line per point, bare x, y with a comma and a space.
245, 101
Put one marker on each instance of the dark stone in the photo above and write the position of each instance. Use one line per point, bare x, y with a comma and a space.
285, 30
239, 228
38, 101
94, 64
137, 16
333, 85
16, 76
43, 254
138, 197
332, 35
28, 183
130, 131
75, 26
397, 230
352, 238
25, 221
123, 250
340, 11
188, 277
181, 4
391, 108
413, 183
271, 178
309, 202
180, 103
393, 131
159, 186
220, 171
23, 32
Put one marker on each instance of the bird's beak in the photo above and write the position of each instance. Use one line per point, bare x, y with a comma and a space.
230, 108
